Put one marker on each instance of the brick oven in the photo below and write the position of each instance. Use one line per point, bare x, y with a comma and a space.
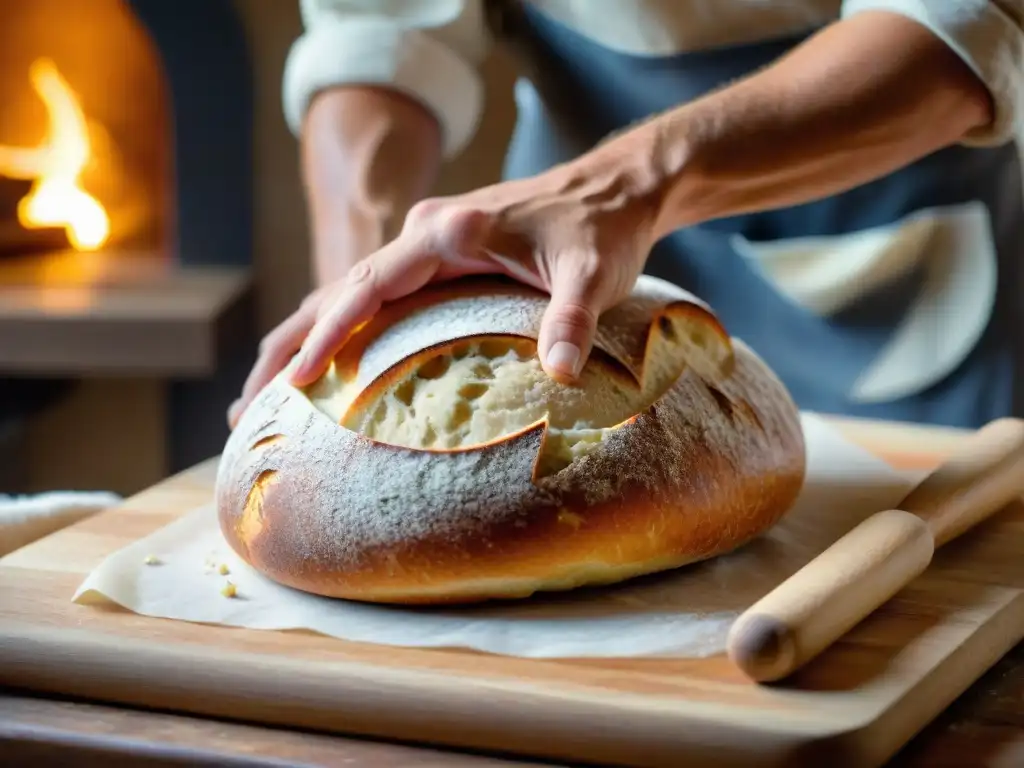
125, 211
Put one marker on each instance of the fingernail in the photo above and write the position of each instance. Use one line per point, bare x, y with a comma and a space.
564, 357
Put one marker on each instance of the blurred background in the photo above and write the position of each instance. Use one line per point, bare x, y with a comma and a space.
152, 227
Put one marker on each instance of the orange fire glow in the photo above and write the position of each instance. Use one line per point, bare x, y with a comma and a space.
57, 198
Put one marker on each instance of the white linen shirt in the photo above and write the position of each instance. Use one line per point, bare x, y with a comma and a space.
432, 49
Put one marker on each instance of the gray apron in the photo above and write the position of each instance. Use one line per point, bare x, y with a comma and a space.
913, 333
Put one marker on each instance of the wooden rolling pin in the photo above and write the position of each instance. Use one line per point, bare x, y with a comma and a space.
806, 613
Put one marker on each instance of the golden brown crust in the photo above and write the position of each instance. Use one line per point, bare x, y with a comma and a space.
716, 460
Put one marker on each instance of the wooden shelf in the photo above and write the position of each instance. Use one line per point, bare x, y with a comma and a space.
114, 313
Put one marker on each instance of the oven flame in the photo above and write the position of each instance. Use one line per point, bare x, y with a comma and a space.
57, 198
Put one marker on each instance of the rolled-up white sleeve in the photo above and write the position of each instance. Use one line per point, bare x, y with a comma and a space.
430, 50
989, 36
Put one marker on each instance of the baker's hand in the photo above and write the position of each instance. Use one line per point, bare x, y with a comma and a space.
579, 232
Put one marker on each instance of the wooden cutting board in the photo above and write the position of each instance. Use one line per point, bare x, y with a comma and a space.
854, 706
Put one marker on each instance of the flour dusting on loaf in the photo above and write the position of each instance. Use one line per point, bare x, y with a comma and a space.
436, 462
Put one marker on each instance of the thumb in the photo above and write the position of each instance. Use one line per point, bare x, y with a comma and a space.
569, 323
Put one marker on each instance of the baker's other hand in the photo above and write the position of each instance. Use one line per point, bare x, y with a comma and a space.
278, 347
581, 232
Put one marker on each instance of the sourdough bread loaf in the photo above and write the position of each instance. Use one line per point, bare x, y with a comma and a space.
436, 462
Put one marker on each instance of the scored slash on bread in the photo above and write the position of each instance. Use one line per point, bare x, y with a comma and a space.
436, 463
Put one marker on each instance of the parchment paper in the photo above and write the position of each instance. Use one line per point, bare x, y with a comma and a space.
683, 613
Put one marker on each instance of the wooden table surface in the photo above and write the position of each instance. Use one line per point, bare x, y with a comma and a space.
983, 728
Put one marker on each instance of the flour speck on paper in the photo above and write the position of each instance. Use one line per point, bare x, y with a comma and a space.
186, 572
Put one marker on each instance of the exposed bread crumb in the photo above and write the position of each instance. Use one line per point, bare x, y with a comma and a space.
229, 589
475, 391
223, 570
152, 560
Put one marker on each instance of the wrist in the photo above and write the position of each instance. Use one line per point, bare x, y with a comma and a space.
690, 164
641, 171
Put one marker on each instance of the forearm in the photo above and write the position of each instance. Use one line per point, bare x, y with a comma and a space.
367, 156
860, 99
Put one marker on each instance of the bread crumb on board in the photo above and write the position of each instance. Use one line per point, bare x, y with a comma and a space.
229, 589
212, 565
152, 560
